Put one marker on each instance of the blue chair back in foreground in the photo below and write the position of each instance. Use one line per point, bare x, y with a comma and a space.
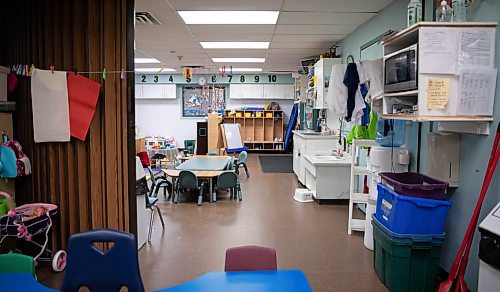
102, 270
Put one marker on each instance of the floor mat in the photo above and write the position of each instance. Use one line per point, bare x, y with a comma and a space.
276, 163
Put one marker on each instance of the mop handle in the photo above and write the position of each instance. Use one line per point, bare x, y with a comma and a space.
471, 227
481, 199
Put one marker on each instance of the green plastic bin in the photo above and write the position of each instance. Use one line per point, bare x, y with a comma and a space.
406, 262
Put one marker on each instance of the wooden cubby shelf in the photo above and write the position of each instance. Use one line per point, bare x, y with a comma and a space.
260, 128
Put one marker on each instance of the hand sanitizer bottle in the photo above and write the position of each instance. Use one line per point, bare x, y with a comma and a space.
444, 12
459, 10
414, 12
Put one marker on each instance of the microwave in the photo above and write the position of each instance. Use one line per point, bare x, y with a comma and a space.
401, 70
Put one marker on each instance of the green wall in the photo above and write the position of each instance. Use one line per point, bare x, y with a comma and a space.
474, 149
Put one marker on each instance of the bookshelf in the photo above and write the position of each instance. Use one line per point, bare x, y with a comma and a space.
260, 128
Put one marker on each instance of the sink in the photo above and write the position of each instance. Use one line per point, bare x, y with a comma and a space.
311, 133
328, 157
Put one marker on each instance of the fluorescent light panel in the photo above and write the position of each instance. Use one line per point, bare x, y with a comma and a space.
154, 70
229, 17
228, 70
235, 45
146, 61
239, 60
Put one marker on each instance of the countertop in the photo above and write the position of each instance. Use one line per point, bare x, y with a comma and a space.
315, 136
322, 160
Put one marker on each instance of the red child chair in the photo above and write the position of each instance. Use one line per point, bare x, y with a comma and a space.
250, 258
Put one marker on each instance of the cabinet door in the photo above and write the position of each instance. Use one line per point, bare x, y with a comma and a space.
170, 91
153, 91
252, 91
286, 91
138, 90
269, 91
235, 91
278, 91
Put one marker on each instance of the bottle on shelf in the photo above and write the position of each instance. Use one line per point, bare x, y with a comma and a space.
444, 12
414, 12
459, 10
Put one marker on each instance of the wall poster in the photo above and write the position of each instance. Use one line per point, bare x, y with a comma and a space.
198, 101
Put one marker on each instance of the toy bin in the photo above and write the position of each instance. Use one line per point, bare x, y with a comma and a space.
406, 262
410, 215
415, 185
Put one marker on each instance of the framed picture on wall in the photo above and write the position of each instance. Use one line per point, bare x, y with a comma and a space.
198, 101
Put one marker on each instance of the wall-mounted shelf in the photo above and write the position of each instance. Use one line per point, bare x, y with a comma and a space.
419, 118
444, 71
7, 106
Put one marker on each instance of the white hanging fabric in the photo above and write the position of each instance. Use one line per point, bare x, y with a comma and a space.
337, 91
372, 71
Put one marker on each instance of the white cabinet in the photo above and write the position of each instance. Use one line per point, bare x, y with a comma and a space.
322, 71
246, 91
155, 91
279, 91
328, 179
309, 144
261, 91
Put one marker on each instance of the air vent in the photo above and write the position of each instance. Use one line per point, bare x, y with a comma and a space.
146, 18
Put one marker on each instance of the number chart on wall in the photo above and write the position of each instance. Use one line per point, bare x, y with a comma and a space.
198, 101
215, 79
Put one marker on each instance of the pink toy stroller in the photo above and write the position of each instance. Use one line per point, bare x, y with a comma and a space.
28, 221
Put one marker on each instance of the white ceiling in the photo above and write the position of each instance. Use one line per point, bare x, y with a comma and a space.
305, 28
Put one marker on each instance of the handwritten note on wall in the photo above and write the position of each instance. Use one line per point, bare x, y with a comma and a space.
438, 93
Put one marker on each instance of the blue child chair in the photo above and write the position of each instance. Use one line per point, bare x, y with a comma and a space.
102, 270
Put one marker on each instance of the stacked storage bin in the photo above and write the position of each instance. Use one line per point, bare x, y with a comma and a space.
408, 230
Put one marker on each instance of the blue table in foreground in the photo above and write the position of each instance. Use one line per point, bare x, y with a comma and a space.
21, 283
205, 163
261, 281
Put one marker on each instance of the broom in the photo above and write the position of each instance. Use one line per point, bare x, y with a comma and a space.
457, 272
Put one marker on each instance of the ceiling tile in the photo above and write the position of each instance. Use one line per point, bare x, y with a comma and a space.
299, 45
314, 29
234, 37
199, 29
324, 18
255, 5
295, 52
311, 38
222, 53
335, 5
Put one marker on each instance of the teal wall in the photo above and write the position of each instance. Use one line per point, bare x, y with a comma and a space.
474, 149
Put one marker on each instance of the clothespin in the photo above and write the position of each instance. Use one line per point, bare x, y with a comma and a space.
104, 74
231, 70
13, 69
26, 70
122, 74
32, 69
19, 70
52, 69
223, 71
184, 73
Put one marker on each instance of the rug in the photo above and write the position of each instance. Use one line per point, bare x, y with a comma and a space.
276, 163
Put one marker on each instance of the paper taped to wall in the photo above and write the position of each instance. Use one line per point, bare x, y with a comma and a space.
438, 93
476, 48
438, 52
476, 91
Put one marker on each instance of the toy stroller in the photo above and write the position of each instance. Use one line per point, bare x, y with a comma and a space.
26, 222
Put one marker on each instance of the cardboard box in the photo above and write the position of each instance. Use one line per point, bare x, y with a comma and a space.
140, 145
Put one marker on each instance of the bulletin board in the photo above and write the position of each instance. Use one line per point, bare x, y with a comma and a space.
197, 101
